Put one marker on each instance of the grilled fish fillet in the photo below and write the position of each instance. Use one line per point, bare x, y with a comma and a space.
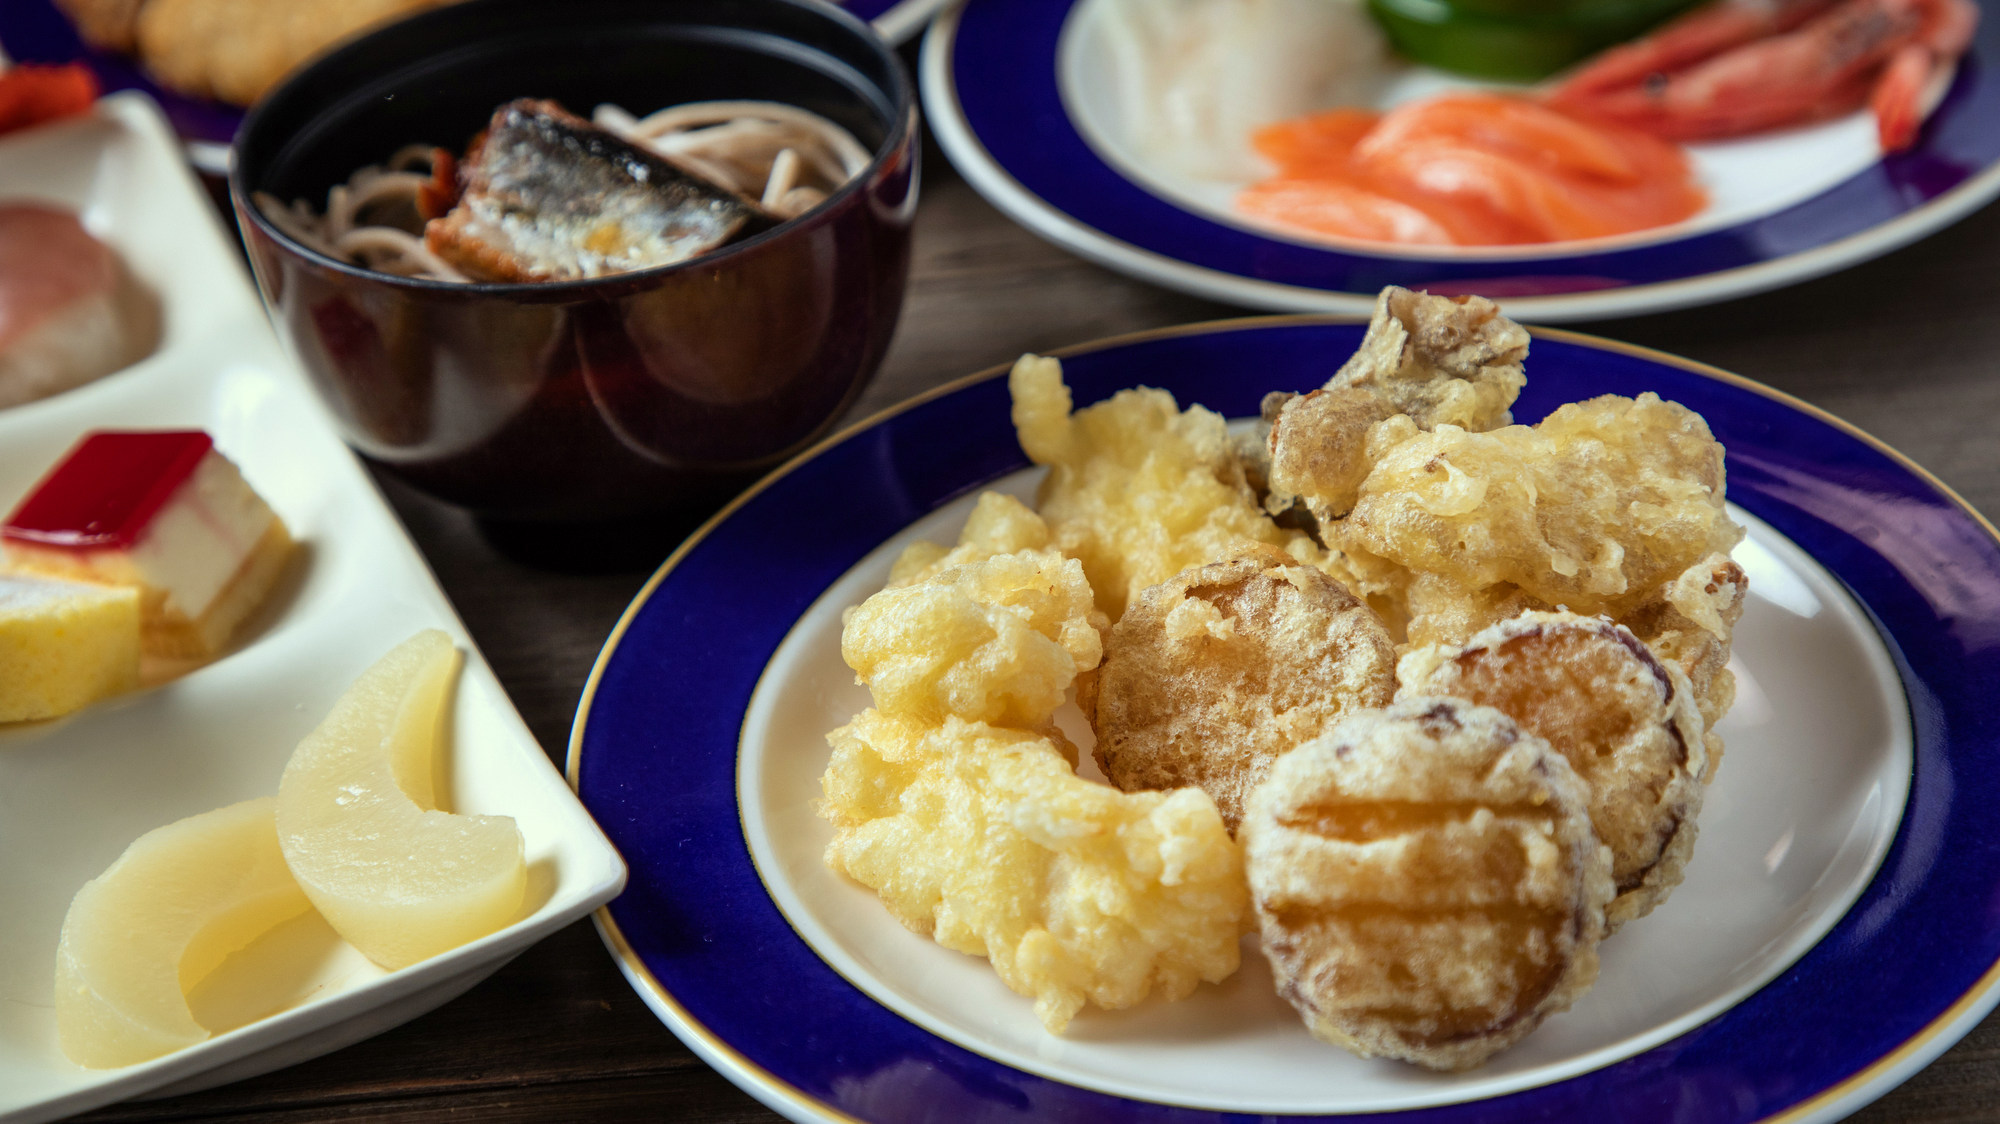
547, 196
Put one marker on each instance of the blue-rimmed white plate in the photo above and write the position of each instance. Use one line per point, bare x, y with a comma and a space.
1832, 935
1023, 97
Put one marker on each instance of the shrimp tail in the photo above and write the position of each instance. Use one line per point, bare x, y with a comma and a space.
1699, 35
1899, 99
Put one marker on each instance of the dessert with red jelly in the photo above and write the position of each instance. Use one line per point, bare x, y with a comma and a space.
161, 512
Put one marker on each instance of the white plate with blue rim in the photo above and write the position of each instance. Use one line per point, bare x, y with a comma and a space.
74, 792
1820, 951
1020, 94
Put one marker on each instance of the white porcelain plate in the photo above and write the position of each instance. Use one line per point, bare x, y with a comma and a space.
1024, 97
74, 792
1819, 951
1787, 844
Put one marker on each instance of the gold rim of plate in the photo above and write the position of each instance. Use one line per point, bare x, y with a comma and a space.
719, 1052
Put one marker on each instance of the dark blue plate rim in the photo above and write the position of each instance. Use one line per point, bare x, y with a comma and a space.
1905, 973
994, 101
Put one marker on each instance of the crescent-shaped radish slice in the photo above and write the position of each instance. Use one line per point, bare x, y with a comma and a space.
165, 914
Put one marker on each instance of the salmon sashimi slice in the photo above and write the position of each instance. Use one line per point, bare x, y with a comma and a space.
547, 196
1333, 207
1317, 140
1512, 125
1480, 169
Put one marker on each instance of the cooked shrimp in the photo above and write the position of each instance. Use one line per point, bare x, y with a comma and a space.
1702, 33
1698, 79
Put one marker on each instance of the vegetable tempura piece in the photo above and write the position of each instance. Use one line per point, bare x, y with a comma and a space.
1427, 882
1213, 675
1138, 490
1594, 509
1438, 360
985, 840
1624, 720
993, 641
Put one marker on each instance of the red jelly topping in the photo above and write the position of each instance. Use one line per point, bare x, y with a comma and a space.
104, 493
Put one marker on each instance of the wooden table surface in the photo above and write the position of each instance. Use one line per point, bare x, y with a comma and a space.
1903, 347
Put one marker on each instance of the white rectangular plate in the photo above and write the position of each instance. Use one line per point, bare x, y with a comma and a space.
76, 791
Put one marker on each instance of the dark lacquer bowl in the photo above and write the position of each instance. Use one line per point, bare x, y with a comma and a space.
588, 400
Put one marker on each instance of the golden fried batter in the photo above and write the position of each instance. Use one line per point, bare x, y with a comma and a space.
983, 836
997, 640
985, 840
1431, 876
1625, 721
999, 524
1209, 677
1138, 490
1438, 360
1593, 509
110, 25
1689, 622
1427, 882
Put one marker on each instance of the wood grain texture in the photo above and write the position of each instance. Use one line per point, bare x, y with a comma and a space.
1904, 347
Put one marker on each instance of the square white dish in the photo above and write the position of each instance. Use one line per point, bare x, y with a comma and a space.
75, 792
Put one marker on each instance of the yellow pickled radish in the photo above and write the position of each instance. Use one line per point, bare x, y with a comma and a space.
400, 880
165, 914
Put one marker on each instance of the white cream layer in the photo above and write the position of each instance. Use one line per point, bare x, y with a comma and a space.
201, 536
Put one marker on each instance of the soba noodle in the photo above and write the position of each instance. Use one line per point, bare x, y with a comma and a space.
788, 159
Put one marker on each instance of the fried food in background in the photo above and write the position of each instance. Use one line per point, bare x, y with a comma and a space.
956, 800
1427, 882
111, 25
1625, 721
985, 840
230, 50
1211, 676
1138, 489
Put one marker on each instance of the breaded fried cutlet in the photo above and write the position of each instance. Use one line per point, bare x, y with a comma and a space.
1626, 722
1212, 675
1426, 881
233, 50
111, 25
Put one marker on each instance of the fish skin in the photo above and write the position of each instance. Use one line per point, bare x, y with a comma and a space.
548, 196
